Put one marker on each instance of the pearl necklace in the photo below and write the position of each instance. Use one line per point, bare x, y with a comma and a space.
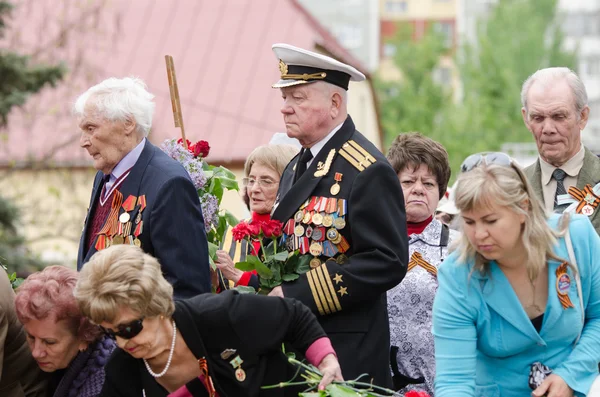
164, 371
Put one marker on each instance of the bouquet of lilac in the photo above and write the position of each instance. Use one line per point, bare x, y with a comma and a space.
210, 182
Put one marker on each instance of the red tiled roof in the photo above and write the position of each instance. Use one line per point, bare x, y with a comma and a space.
222, 54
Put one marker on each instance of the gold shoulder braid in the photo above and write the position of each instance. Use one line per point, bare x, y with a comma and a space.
356, 155
323, 169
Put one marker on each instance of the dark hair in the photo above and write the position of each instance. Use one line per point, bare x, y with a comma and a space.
412, 149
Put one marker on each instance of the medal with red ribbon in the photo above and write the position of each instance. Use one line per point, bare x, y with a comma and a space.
588, 200
112, 222
563, 284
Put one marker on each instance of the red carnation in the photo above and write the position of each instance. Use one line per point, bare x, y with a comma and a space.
254, 229
180, 141
200, 148
240, 231
272, 228
413, 393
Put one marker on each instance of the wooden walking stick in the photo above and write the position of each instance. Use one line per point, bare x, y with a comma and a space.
175, 97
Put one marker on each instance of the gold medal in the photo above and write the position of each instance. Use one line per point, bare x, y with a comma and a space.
137, 242
341, 259
327, 220
299, 216
124, 217
332, 234
240, 374
299, 231
316, 249
339, 223
118, 239
338, 239
307, 217
314, 263
335, 189
317, 219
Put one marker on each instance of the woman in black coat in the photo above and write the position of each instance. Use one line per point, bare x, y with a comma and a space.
211, 345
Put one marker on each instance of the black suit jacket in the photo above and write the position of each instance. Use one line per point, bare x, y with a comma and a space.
350, 298
173, 227
254, 326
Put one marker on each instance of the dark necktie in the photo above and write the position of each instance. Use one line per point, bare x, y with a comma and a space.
105, 180
559, 175
305, 157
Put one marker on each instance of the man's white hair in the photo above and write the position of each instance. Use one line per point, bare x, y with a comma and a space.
120, 100
549, 76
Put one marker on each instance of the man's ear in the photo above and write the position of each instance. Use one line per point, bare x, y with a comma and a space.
524, 114
129, 125
336, 104
583, 117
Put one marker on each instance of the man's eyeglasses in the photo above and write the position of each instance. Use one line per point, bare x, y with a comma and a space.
264, 183
126, 331
477, 159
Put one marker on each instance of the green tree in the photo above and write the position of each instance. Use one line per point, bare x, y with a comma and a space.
413, 102
517, 38
19, 80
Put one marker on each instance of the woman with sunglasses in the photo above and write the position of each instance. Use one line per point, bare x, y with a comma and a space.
507, 319
62, 341
225, 345
262, 172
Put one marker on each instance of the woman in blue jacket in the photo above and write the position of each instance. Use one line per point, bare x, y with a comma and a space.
507, 318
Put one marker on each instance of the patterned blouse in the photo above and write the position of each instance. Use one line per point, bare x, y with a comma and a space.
410, 306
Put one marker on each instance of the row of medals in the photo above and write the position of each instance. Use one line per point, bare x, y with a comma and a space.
127, 237
318, 219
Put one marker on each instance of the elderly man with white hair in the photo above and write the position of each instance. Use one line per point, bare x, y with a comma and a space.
140, 195
566, 175
343, 208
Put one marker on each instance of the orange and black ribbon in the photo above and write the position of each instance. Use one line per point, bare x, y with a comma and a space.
563, 285
112, 221
585, 197
417, 259
206, 379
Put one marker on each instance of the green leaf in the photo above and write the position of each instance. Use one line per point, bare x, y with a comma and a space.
320, 393
280, 256
303, 264
336, 390
230, 218
245, 266
262, 270
290, 277
244, 289
216, 189
212, 254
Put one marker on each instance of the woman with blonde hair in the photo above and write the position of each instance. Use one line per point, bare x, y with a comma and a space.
514, 311
210, 345
262, 173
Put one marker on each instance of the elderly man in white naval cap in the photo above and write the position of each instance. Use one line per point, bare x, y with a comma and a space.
338, 201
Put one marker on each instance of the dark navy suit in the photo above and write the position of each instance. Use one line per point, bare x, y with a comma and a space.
173, 227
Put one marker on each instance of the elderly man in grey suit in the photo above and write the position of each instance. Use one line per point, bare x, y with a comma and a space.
566, 175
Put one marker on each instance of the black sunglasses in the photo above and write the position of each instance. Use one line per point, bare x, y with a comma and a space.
126, 331
477, 159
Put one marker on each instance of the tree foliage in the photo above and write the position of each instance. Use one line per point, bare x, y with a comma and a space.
20, 79
517, 38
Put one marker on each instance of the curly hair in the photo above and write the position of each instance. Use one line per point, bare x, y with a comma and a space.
49, 294
123, 276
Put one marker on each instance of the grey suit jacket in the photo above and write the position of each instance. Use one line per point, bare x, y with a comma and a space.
19, 374
589, 174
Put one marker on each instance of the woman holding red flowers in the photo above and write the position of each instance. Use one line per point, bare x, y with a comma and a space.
262, 172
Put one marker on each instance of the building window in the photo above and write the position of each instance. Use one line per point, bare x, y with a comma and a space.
590, 66
350, 36
580, 24
396, 6
447, 31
